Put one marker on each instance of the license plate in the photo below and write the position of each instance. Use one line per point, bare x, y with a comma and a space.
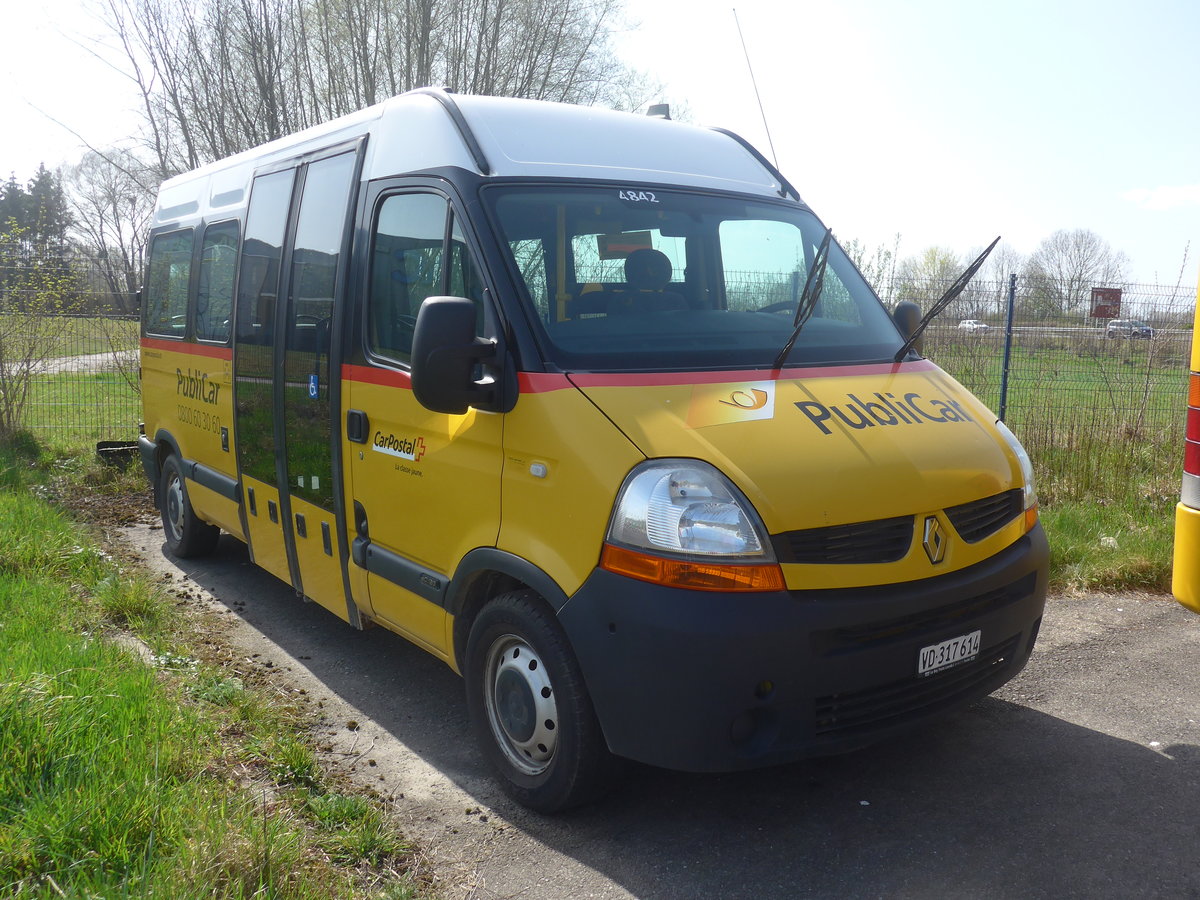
948, 653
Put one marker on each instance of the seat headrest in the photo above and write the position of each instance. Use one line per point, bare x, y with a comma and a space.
648, 270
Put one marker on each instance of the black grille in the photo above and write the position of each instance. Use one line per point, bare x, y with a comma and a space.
850, 639
881, 541
980, 518
889, 704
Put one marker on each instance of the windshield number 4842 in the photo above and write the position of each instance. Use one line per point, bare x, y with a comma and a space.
638, 196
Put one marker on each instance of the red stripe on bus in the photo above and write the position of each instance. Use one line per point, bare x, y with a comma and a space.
209, 350
542, 382
375, 375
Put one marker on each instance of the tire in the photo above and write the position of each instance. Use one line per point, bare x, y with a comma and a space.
530, 709
187, 535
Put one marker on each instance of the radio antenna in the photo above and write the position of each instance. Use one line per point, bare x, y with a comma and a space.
761, 111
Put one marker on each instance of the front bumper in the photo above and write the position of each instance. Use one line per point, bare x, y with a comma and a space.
712, 682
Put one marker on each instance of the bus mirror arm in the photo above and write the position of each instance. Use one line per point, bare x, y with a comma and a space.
444, 356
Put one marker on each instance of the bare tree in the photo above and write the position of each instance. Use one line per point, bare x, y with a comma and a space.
219, 76
1061, 272
989, 290
113, 198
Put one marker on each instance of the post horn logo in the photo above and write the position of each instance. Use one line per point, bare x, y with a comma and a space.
934, 541
751, 399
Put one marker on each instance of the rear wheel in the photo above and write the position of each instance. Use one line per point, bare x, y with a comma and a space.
187, 535
530, 709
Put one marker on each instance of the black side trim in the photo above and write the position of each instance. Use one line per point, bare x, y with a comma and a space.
215, 481
400, 571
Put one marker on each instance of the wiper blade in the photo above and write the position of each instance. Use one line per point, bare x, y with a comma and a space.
809, 297
945, 300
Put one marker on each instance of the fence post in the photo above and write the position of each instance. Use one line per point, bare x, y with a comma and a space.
1008, 337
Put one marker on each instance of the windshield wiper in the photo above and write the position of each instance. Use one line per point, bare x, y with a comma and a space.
809, 297
945, 300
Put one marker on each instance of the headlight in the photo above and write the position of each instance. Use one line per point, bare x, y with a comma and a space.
686, 507
1023, 459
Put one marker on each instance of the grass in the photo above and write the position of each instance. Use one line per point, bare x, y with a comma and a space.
77, 409
171, 780
1108, 547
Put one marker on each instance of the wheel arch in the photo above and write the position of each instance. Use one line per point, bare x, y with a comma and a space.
153, 457
485, 573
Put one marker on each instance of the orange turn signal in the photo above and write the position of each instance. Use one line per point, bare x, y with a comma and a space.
1031, 518
696, 576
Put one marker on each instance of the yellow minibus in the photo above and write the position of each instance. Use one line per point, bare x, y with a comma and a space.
591, 407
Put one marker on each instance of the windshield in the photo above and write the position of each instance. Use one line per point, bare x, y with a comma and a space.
633, 279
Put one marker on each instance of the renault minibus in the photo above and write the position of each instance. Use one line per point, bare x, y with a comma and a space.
591, 407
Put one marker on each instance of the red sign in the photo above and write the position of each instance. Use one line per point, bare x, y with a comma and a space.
1106, 303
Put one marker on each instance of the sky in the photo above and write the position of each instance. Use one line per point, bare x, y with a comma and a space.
946, 122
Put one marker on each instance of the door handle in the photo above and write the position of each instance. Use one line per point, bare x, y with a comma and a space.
357, 426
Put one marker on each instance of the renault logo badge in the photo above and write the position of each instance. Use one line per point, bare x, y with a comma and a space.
934, 541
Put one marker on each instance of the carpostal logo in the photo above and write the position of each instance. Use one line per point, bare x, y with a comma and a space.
724, 404
883, 410
195, 386
405, 448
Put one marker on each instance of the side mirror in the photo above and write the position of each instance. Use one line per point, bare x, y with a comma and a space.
445, 351
907, 316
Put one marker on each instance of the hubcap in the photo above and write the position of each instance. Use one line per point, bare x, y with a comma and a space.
520, 704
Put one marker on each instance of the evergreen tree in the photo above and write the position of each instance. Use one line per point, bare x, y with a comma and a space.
48, 216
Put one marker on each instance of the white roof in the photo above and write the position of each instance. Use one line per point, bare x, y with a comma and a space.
415, 132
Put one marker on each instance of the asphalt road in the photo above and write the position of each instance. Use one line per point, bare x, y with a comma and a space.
1081, 778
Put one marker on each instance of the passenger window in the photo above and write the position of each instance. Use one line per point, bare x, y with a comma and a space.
167, 287
214, 294
258, 287
409, 264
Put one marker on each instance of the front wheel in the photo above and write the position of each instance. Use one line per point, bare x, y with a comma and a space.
530, 709
187, 535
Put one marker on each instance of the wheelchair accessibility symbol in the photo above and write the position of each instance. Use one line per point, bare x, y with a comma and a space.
312, 387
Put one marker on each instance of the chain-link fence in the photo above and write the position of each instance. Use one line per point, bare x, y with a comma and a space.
1098, 401
68, 349
84, 388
